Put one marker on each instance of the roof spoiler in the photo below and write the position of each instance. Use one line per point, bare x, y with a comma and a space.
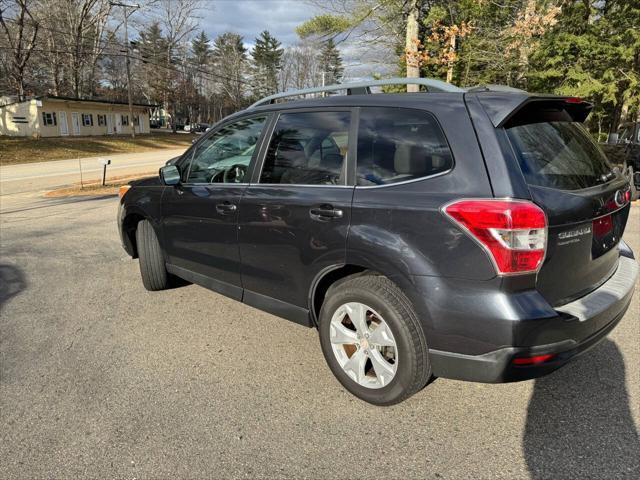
501, 107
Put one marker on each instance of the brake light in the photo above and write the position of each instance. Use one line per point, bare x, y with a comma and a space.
513, 232
602, 226
534, 360
573, 100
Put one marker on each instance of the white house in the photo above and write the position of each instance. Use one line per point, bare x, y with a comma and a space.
49, 116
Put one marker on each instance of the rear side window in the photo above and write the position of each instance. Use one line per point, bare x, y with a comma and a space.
558, 154
308, 149
396, 145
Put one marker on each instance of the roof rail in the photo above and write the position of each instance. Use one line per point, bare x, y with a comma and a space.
360, 88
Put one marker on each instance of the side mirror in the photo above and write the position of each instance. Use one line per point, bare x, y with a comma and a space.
170, 175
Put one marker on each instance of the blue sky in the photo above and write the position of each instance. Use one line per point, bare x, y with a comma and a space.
280, 17
250, 17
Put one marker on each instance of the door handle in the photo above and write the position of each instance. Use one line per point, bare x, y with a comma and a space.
325, 212
225, 207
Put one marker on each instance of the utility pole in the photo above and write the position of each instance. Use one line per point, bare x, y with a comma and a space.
128, 60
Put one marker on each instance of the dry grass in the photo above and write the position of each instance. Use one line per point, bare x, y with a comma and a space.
15, 150
96, 189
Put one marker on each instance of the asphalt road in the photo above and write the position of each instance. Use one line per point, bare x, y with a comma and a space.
99, 378
33, 177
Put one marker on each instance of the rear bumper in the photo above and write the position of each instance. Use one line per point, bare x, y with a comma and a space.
577, 327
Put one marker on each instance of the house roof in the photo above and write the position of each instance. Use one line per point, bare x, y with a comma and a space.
88, 100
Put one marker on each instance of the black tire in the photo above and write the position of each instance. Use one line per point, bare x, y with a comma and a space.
383, 296
152, 265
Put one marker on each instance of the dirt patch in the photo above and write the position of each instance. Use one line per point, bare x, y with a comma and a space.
96, 189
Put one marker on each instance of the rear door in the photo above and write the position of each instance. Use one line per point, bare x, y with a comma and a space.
585, 201
294, 217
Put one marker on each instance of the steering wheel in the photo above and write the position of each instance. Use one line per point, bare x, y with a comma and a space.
235, 174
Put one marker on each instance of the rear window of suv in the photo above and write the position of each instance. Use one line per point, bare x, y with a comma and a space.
558, 154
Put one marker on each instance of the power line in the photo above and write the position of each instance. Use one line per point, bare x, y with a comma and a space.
214, 76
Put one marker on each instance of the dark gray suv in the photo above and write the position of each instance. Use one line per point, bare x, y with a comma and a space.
467, 234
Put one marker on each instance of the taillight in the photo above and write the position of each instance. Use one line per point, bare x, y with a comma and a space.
513, 232
534, 360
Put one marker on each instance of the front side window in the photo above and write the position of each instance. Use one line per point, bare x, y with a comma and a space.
308, 149
558, 154
396, 145
49, 119
224, 157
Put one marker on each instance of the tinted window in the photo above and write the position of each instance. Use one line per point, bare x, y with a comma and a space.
224, 156
559, 155
308, 149
395, 145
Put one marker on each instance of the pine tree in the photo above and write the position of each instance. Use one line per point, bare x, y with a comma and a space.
267, 60
230, 61
201, 50
331, 63
152, 47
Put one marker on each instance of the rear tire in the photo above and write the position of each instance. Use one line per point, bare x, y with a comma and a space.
152, 264
385, 306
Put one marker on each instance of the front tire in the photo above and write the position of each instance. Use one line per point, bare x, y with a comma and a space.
152, 265
372, 340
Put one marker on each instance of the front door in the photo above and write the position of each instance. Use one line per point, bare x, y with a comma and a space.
294, 220
109, 124
75, 123
200, 216
64, 126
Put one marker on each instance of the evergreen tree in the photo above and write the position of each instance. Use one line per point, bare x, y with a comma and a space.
152, 47
230, 61
267, 60
331, 63
201, 50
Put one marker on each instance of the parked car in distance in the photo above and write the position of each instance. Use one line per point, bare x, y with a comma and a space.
465, 234
625, 154
200, 127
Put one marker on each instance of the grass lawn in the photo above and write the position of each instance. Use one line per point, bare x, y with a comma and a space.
25, 150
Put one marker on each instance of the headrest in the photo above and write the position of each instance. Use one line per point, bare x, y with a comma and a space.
291, 154
411, 160
331, 162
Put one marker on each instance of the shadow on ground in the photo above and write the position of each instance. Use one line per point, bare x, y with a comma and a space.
12, 282
579, 422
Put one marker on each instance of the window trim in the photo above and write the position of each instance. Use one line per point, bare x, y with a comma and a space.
188, 155
412, 180
255, 179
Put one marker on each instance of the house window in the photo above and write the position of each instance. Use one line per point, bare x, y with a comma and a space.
125, 119
136, 120
49, 119
87, 119
102, 120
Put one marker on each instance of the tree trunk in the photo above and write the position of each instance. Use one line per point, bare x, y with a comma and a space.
411, 45
452, 49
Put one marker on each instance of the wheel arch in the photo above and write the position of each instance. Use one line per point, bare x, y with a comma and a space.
133, 215
330, 275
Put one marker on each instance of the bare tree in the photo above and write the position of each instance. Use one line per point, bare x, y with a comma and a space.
21, 34
300, 67
178, 20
